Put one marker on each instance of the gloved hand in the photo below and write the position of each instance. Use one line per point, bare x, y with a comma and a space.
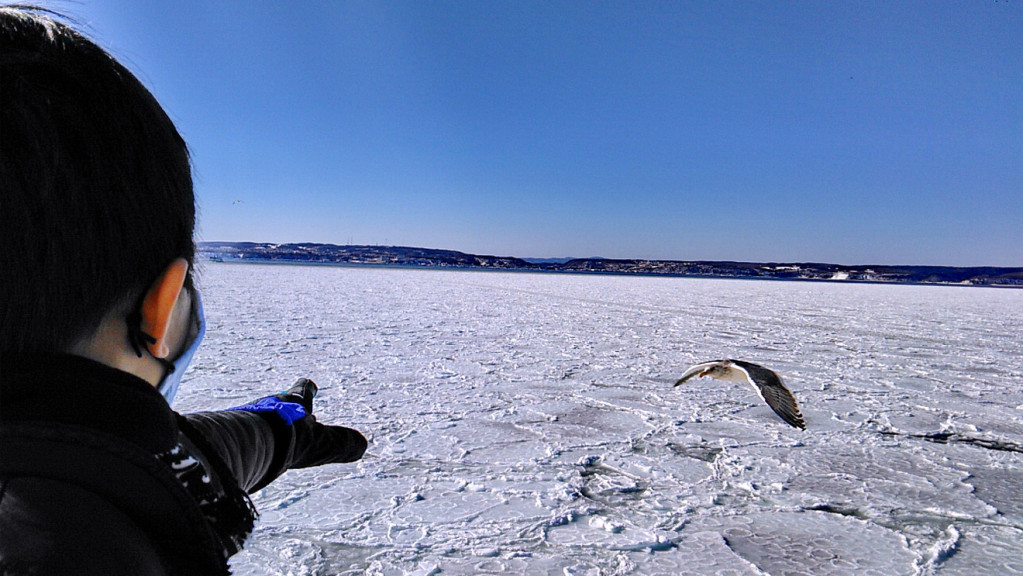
308, 442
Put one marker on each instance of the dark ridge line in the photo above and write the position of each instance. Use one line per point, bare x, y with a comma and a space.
404, 256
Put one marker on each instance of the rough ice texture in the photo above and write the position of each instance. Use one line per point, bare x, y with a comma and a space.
526, 423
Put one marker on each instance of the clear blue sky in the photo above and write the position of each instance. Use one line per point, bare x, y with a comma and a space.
847, 132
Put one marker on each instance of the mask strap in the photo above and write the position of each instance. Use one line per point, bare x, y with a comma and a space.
136, 337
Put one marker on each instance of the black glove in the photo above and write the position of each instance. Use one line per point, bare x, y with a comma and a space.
302, 441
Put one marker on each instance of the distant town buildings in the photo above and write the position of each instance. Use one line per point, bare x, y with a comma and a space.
430, 258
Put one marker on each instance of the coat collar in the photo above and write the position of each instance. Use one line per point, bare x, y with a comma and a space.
76, 391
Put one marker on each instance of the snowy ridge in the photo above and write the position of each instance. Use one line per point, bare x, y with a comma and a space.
406, 256
526, 424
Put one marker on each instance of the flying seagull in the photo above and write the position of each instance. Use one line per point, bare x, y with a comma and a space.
767, 384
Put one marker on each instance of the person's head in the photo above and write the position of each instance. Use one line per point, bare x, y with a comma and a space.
96, 200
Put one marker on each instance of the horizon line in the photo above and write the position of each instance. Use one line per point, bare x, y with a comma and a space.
566, 259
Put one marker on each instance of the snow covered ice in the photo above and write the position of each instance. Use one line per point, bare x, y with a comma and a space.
526, 423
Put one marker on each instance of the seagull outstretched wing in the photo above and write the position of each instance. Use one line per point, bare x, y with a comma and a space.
767, 384
774, 392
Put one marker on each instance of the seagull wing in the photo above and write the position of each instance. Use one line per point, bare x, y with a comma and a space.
696, 369
769, 386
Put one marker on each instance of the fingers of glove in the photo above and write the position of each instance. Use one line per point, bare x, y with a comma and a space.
302, 392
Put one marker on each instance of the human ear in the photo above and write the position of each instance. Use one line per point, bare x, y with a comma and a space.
158, 305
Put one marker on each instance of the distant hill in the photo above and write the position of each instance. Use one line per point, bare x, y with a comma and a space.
433, 258
548, 260
333, 254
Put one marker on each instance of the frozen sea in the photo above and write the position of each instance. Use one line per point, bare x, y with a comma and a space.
527, 423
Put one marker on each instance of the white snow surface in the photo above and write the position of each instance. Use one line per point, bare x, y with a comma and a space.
527, 423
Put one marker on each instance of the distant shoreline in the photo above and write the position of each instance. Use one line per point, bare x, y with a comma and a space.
255, 262
402, 257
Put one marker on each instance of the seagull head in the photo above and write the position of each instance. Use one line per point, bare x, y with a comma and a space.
717, 370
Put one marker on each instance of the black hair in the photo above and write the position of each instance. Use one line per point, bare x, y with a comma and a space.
96, 194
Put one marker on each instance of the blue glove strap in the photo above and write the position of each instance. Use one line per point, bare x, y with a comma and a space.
287, 411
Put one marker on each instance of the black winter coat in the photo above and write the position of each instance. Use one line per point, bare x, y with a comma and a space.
99, 476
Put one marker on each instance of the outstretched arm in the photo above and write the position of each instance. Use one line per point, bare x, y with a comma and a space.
263, 439
245, 443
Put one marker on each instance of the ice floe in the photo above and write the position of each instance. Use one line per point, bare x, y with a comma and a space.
527, 424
